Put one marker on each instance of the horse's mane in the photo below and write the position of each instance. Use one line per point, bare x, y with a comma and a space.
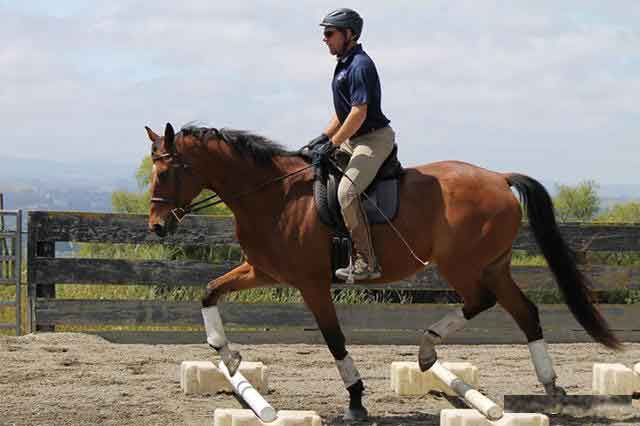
258, 148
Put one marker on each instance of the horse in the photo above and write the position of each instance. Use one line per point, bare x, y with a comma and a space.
460, 217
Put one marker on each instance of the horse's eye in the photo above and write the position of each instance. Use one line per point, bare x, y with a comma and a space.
163, 174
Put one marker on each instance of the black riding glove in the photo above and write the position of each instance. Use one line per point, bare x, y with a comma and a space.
322, 152
318, 140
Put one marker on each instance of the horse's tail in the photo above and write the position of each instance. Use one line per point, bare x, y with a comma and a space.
573, 284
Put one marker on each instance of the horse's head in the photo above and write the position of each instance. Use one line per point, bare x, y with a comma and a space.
173, 181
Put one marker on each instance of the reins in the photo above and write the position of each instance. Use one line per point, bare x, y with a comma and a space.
180, 212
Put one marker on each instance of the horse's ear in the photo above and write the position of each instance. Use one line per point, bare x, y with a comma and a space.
152, 135
169, 135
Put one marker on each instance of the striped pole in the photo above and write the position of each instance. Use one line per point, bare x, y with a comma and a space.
249, 394
471, 397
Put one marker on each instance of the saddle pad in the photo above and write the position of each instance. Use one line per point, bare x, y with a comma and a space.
381, 193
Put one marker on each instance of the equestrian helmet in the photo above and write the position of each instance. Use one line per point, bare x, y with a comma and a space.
344, 18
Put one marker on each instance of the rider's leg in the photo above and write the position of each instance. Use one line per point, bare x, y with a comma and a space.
368, 152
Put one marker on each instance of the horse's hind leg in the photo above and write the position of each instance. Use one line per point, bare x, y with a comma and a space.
476, 299
525, 313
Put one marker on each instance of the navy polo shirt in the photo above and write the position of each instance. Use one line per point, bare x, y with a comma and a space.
356, 82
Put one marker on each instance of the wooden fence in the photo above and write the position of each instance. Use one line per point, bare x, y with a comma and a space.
287, 323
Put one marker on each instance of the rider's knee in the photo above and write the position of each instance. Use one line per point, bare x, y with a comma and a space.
346, 193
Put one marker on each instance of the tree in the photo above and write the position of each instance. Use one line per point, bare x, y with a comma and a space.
621, 213
580, 202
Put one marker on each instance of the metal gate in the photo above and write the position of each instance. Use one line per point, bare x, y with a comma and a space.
11, 261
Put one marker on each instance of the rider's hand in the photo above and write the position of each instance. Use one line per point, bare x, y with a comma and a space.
317, 141
327, 148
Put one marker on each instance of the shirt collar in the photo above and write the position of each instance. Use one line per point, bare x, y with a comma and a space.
355, 49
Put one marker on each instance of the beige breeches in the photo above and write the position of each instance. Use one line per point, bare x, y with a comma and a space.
368, 152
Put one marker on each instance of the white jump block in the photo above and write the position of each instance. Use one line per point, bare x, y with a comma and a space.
470, 417
203, 377
239, 417
636, 370
614, 379
407, 379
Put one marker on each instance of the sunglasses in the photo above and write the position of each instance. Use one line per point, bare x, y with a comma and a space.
329, 33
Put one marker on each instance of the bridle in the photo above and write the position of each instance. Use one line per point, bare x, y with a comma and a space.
176, 163
180, 212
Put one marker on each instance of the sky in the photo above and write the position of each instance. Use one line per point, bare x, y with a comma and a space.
546, 88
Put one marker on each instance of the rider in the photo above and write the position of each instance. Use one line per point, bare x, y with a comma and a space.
360, 129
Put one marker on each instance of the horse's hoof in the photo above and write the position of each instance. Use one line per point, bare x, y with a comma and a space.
554, 391
427, 355
356, 414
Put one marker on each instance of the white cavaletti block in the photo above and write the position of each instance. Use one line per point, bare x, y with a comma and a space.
238, 417
407, 379
613, 379
203, 377
469, 417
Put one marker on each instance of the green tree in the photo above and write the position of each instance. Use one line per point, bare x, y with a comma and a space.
580, 202
621, 213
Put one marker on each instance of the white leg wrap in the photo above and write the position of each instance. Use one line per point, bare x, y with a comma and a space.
451, 323
348, 371
542, 361
213, 325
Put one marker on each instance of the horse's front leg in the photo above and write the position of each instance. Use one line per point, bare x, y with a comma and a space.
243, 277
318, 300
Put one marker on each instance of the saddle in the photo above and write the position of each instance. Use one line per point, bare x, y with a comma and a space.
382, 193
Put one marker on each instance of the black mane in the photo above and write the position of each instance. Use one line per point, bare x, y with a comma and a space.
259, 148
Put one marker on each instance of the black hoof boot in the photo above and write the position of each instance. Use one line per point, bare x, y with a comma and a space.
356, 410
231, 359
427, 355
356, 414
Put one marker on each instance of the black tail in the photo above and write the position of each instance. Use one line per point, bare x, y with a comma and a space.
573, 284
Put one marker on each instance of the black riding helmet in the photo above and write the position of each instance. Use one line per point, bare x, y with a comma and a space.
344, 18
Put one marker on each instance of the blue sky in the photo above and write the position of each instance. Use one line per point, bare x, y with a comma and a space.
544, 88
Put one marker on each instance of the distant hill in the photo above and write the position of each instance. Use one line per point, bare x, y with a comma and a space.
35, 184
19, 174
87, 186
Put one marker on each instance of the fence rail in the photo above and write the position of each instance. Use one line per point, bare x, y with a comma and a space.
380, 323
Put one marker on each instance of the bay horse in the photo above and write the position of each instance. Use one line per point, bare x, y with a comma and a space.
460, 217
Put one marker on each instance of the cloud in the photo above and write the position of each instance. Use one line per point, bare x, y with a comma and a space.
507, 85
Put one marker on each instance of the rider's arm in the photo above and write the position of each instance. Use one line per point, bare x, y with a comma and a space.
351, 125
333, 126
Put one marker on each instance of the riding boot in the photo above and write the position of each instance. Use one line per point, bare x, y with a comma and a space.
363, 265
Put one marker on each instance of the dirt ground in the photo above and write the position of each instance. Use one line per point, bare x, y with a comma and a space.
78, 379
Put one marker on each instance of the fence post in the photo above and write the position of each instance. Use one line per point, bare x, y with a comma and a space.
18, 272
36, 248
5, 266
